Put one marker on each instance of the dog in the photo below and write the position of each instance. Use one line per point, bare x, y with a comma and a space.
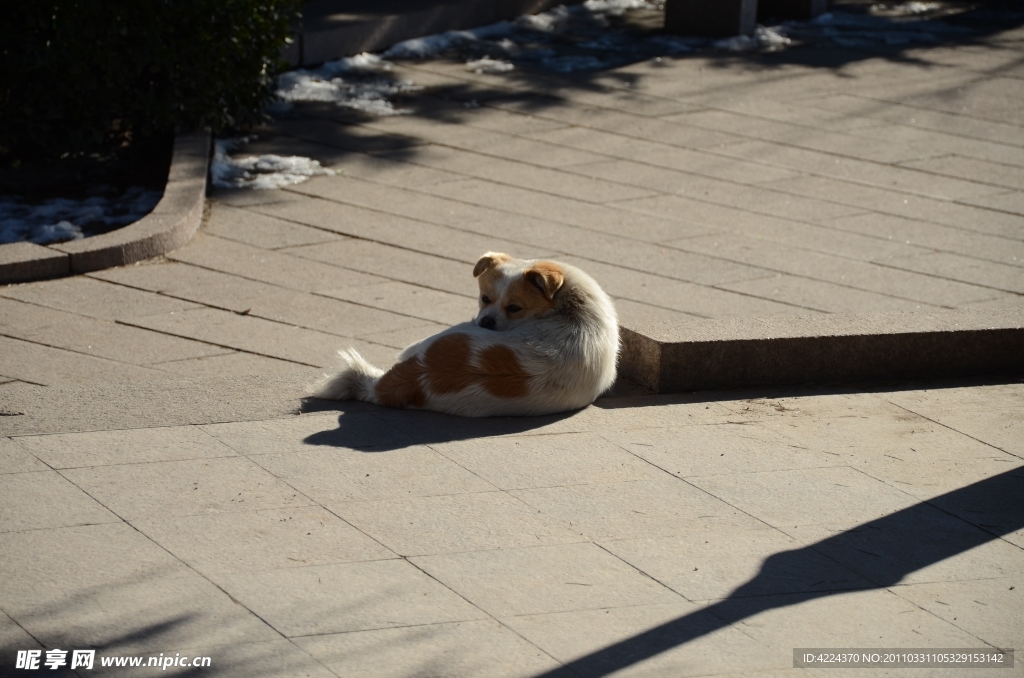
545, 340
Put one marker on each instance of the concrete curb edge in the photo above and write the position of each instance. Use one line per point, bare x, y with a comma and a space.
822, 349
171, 224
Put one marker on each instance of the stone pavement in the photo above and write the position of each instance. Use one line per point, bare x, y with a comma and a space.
737, 526
165, 490
805, 181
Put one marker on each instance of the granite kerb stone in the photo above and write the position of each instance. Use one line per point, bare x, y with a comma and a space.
171, 224
784, 350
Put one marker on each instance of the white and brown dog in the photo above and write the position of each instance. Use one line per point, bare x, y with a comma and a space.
545, 340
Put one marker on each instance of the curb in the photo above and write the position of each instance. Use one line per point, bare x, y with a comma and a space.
171, 224
701, 355
332, 29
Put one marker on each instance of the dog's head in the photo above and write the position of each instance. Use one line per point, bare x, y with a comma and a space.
513, 291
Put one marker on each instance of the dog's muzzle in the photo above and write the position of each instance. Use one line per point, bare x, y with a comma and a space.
487, 322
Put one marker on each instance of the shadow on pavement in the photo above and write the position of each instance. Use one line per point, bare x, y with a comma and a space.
883, 551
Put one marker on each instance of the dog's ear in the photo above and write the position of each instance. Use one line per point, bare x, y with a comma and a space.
489, 261
546, 276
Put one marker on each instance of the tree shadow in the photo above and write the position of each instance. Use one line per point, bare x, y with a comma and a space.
883, 551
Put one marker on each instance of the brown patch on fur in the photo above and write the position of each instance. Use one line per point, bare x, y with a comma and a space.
501, 374
489, 261
546, 276
400, 386
528, 297
447, 364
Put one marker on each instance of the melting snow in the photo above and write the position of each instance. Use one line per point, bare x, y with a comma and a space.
61, 219
764, 39
488, 65
259, 172
359, 82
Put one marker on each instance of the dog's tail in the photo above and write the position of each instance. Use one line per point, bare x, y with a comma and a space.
354, 380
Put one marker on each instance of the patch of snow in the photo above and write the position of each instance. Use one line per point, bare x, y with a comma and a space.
551, 21
259, 172
907, 8
357, 82
432, 45
616, 6
62, 219
763, 39
488, 65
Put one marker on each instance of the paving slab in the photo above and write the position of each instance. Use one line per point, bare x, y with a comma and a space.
457, 649
380, 594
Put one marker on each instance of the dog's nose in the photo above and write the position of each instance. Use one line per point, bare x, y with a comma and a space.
487, 322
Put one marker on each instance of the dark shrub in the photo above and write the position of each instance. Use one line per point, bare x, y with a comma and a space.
80, 76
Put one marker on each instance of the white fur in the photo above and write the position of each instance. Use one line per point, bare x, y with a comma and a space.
569, 353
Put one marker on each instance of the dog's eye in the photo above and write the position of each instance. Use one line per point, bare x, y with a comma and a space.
485, 299
512, 308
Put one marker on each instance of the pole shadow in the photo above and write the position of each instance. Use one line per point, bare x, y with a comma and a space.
884, 551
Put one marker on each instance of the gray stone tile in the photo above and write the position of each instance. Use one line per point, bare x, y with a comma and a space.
710, 646
517, 462
839, 497
99, 338
13, 638
350, 431
903, 177
989, 413
15, 459
44, 499
517, 581
411, 300
874, 618
182, 488
305, 601
720, 449
650, 508
800, 135
424, 525
236, 363
656, 290
817, 295
902, 204
966, 269
261, 540
459, 650
43, 569
838, 270
251, 334
252, 228
384, 261
936, 236
277, 268
130, 446
911, 453
715, 564
390, 229
334, 476
972, 169
135, 618
633, 312
929, 119
94, 298
988, 609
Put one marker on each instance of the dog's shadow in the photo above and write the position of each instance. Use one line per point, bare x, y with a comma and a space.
370, 428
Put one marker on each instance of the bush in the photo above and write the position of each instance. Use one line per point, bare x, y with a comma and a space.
80, 76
